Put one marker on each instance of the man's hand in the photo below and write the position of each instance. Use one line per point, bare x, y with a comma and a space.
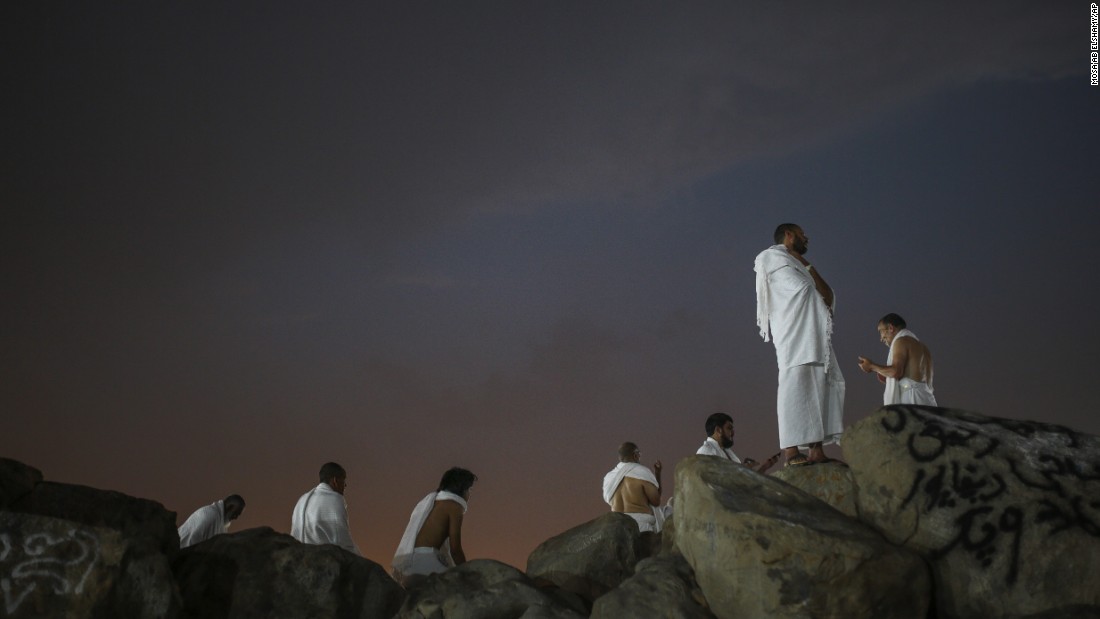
865, 364
769, 463
657, 468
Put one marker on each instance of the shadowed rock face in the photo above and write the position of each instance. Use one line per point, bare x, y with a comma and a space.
146, 537
660, 587
260, 573
761, 548
57, 568
1006, 511
487, 589
593, 558
16, 481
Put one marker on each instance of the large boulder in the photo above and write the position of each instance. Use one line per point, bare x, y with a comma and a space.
57, 568
831, 482
139, 520
146, 533
260, 573
1007, 511
487, 589
592, 558
661, 588
16, 481
761, 548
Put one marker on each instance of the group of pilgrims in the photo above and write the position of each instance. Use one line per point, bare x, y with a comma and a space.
795, 309
432, 541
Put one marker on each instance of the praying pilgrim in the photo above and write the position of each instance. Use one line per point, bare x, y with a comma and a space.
634, 490
321, 515
432, 542
211, 520
719, 443
795, 311
908, 370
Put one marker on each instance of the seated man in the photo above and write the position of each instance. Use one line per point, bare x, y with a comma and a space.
632, 489
719, 443
433, 538
211, 520
908, 369
321, 515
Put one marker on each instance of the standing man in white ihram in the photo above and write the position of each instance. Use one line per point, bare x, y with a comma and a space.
794, 309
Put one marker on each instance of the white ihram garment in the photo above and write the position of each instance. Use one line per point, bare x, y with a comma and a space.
906, 390
712, 448
409, 560
646, 522
792, 314
205, 523
321, 517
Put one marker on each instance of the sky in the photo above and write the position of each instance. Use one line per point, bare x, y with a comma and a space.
243, 240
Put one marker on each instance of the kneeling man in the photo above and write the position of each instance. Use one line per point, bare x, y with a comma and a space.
433, 538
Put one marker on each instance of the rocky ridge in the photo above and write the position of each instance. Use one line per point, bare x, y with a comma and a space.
941, 514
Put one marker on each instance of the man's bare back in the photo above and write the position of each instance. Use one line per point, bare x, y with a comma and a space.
444, 521
635, 496
917, 358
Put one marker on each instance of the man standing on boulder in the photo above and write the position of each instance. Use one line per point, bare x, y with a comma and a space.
794, 308
719, 443
321, 515
433, 538
634, 490
211, 520
908, 369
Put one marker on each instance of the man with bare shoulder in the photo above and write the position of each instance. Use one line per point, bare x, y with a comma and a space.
433, 539
908, 369
634, 490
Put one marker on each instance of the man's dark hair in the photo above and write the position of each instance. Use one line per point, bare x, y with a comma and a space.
330, 470
717, 420
893, 319
234, 499
782, 231
457, 481
627, 450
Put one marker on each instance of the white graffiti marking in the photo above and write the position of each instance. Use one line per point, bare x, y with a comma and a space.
62, 563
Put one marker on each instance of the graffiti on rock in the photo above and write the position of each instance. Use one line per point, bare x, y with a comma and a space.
59, 564
965, 470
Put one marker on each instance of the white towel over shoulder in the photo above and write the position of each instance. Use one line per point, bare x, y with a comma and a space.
790, 311
403, 557
616, 476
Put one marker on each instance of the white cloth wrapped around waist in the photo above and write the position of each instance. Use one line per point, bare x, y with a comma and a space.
615, 477
896, 388
409, 559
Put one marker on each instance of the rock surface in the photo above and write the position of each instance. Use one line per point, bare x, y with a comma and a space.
593, 558
146, 533
942, 513
830, 482
56, 568
260, 573
761, 548
661, 588
1007, 512
487, 589
16, 481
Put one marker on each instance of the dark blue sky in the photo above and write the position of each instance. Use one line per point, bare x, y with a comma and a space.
242, 241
